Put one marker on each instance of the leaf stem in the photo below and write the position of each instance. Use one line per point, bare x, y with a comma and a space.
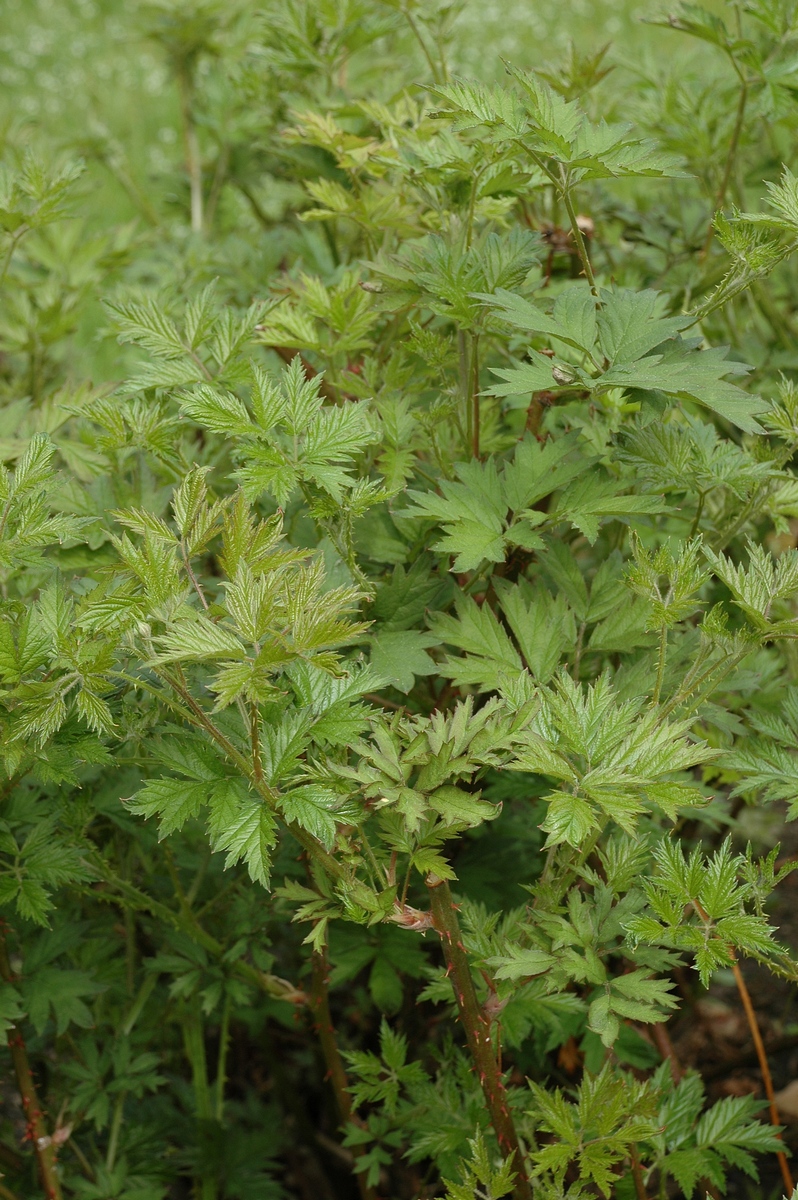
477, 1028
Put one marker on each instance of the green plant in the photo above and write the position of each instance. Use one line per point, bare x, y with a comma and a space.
403, 597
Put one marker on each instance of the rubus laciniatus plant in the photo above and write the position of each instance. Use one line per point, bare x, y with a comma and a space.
398, 607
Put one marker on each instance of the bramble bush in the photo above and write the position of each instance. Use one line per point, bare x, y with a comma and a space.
398, 598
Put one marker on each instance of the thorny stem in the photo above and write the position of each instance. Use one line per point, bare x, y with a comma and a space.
569, 869
36, 1130
323, 1024
476, 1025
759, 1046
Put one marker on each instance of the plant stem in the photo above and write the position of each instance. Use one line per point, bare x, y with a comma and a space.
336, 1071
37, 1133
464, 373
663, 1043
308, 842
221, 1062
579, 241
730, 157
425, 51
661, 656
474, 372
116, 1126
759, 1046
580, 637
271, 985
185, 86
194, 1041
476, 1026
219, 176
698, 513
254, 734
637, 1174
12, 245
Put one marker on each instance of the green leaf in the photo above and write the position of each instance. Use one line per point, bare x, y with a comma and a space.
247, 835
61, 992
457, 807
313, 807
11, 1007
174, 801
398, 657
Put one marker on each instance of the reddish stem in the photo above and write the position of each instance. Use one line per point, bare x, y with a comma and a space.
36, 1133
663, 1043
319, 1001
637, 1175
476, 1025
759, 1046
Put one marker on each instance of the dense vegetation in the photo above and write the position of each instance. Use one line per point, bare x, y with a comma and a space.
398, 602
